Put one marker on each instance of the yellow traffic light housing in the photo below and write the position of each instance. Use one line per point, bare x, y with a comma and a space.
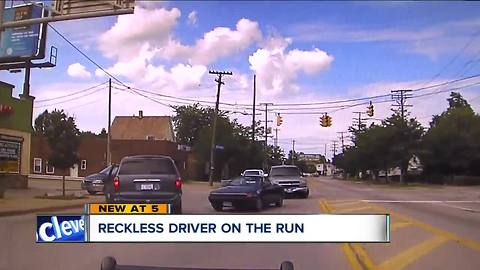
328, 120
325, 120
370, 110
279, 120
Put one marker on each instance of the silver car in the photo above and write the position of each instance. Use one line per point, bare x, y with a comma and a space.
290, 178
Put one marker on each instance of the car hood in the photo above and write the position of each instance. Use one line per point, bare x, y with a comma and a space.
94, 176
236, 189
285, 178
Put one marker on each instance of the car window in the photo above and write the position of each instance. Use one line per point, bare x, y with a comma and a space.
253, 173
285, 171
147, 166
106, 170
249, 180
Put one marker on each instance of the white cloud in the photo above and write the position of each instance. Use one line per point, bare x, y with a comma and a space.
220, 42
192, 18
277, 68
77, 70
433, 40
99, 73
131, 32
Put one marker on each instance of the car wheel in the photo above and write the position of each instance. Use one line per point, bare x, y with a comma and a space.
217, 206
259, 204
177, 208
305, 194
91, 192
279, 203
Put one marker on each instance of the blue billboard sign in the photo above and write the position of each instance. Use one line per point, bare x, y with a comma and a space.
26, 42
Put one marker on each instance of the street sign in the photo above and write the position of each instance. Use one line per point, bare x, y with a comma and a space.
220, 147
24, 43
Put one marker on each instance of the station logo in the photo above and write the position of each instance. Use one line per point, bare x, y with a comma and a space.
60, 228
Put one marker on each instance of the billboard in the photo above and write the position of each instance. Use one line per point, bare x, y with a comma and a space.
24, 43
10, 156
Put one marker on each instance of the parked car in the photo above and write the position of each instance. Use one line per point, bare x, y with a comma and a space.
147, 179
94, 183
290, 178
253, 172
247, 192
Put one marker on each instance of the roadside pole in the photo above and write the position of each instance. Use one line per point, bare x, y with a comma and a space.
214, 129
109, 155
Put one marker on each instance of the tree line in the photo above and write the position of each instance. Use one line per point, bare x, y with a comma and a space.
448, 148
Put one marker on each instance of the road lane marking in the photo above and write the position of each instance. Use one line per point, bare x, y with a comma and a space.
355, 253
410, 255
343, 204
397, 201
351, 257
362, 256
398, 225
461, 208
350, 210
434, 230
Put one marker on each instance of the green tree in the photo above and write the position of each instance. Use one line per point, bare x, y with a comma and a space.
189, 120
39, 123
451, 146
63, 138
103, 133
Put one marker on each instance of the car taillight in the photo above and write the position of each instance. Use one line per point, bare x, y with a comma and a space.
116, 182
178, 183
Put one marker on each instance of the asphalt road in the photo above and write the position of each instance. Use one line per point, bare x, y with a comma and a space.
432, 228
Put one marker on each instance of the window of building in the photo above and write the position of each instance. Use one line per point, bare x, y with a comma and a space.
37, 165
150, 138
83, 164
49, 168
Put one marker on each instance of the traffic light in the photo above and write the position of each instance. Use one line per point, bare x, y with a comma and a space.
328, 120
370, 109
322, 121
279, 120
325, 120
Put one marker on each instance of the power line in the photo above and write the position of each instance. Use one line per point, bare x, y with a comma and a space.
70, 94
71, 99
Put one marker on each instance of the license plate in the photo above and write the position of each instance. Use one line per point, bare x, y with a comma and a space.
227, 204
289, 190
146, 186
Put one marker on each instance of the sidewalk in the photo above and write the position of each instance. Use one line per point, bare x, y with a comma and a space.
23, 201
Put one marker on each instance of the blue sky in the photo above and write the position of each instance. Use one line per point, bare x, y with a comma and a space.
300, 51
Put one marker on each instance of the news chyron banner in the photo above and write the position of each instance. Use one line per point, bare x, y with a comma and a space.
153, 223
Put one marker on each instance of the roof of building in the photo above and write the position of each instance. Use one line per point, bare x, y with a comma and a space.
138, 128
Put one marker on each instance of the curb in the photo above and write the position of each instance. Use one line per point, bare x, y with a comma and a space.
37, 210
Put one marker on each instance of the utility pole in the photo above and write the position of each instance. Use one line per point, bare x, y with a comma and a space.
401, 96
276, 136
325, 152
214, 130
253, 115
358, 121
266, 132
293, 152
109, 155
334, 148
341, 138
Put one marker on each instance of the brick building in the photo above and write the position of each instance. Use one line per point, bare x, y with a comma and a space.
137, 135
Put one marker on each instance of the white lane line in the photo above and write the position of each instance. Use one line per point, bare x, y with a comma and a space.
393, 201
461, 208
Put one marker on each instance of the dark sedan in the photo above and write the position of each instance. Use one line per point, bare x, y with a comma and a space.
247, 191
94, 183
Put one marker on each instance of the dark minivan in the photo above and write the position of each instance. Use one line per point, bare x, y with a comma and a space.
147, 179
